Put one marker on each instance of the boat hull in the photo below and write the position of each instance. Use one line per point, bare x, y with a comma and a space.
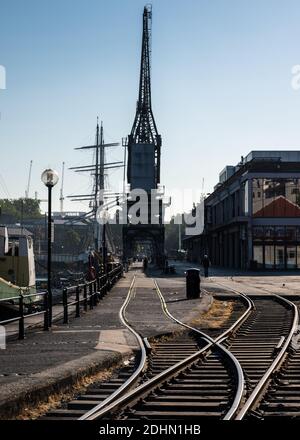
10, 292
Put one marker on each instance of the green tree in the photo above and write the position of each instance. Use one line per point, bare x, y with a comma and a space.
21, 208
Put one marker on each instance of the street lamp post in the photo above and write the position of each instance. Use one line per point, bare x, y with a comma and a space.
104, 250
49, 178
102, 218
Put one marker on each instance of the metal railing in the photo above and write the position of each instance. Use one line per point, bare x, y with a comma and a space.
88, 294
22, 299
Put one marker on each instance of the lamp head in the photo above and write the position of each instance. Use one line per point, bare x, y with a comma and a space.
50, 177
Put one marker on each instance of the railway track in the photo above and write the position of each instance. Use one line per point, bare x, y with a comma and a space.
162, 356
188, 393
277, 395
147, 363
263, 347
208, 383
193, 375
282, 397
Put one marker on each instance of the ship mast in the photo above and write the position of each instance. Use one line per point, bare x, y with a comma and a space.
97, 169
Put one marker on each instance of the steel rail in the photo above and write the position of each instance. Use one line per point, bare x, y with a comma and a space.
217, 342
239, 322
144, 346
258, 391
135, 394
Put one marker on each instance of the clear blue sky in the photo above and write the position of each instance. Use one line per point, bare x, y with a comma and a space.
221, 74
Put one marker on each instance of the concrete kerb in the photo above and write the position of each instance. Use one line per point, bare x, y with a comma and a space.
27, 393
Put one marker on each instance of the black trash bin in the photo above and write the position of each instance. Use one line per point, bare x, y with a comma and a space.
192, 283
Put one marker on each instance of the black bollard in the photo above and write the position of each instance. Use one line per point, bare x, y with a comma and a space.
192, 283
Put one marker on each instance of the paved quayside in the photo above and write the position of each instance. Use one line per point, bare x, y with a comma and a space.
47, 362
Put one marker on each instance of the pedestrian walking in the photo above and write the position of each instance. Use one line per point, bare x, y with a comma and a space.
145, 263
205, 263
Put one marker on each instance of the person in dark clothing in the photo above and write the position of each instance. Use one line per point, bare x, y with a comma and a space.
145, 263
92, 274
205, 263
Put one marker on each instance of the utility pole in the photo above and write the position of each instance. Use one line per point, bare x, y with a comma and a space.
29, 180
179, 237
62, 189
104, 248
125, 145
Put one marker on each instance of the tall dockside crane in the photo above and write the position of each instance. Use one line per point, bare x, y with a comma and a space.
143, 164
144, 130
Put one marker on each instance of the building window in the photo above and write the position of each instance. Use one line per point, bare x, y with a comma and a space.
279, 257
291, 233
238, 202
256, 196
280, 233
276, 197
269, 233
233, 205
292, 192
258, 256
269, 257
258, 233
279, 246
245, 191
291, 262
